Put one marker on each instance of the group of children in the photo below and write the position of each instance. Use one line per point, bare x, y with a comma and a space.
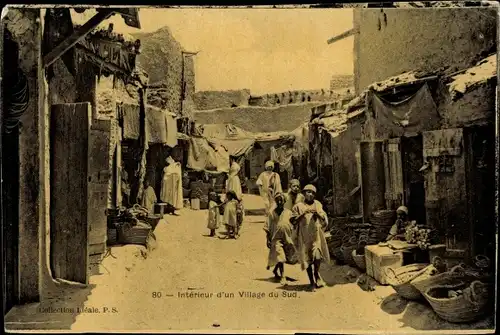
229, 212
294, 229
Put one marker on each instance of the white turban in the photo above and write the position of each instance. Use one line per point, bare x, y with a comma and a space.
269, 164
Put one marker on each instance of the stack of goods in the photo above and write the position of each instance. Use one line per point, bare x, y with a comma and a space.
417, 235
133, 225
381, 222
461, 302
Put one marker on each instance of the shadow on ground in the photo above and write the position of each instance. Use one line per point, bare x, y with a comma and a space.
57, 311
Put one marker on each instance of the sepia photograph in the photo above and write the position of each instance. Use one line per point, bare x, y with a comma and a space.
250, 169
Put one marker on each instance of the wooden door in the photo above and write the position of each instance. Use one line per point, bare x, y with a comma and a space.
372, 177
394, 195
445, 188
69, 205
99, 176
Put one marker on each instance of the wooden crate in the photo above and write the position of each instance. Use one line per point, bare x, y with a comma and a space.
378, 259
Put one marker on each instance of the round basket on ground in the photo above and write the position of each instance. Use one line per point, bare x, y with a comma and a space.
423, 283
400, 280
359, 260
459, 303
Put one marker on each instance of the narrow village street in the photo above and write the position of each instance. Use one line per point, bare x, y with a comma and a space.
187, 261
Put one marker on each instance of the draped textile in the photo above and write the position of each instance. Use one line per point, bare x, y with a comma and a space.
162, 127
407, 118
214, 217
202, 156
149, 199
283, 156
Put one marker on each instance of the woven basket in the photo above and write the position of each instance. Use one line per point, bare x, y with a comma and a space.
400, 280
446, 278
469, 306
152, 220
359, 260
127, 234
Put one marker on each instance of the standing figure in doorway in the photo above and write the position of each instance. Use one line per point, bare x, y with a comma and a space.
294, 196
310, 220
279, 238
125, 189
171, 185
148, 197
269, 183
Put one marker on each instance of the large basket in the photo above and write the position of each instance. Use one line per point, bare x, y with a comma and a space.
423, 283
469, 306
359, 260
400, 280
128, 234
152, 220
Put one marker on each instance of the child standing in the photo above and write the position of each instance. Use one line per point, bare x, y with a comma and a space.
232, 214
214, 216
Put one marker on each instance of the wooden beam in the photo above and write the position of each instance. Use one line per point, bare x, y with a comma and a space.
343, 35
77, 36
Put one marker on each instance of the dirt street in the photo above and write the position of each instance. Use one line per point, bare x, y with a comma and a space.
233, 287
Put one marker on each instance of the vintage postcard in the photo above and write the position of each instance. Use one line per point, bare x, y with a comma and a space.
274, 169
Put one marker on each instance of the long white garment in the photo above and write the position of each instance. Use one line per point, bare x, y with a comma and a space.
233, 182
269, 185
171, 186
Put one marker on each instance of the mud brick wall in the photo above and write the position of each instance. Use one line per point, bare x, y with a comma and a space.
392, 41
220, 99
162, 58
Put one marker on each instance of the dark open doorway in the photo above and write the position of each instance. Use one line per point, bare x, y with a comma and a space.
413, 179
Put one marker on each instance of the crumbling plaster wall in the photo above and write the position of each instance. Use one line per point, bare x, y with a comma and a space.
392, 41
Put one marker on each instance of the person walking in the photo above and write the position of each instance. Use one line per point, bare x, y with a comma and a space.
310, 220
269, 184
294, 196
279, 238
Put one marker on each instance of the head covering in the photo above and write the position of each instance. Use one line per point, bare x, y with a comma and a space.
310, 188
235, 168
402, 209
170, 160
269, 164
294, 182
279, 195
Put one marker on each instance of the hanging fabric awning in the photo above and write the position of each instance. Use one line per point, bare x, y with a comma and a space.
162, 126
407, 118
206, 156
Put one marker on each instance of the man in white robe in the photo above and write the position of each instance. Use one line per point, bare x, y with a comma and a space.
269, 184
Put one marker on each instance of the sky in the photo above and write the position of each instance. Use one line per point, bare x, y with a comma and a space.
264, 50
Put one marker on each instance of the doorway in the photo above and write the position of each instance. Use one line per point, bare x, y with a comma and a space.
413, 179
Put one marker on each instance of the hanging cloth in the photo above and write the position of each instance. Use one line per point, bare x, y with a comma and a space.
407, 118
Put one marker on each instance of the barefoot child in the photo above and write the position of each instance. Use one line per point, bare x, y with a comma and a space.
214, 216
232, 214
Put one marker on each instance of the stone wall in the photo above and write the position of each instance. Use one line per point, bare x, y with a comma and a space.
392, 41
204, 100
